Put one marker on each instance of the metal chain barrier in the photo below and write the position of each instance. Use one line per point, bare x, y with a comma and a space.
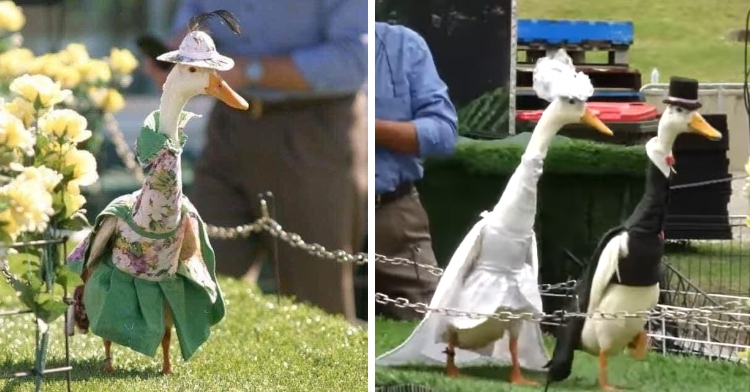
263, 224
701, 314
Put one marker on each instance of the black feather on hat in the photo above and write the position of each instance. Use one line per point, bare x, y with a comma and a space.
683, 92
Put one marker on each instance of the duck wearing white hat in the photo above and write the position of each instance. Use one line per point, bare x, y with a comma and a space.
626, 266
148, 265
495, 267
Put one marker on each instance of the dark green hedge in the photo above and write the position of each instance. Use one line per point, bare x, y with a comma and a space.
586, 189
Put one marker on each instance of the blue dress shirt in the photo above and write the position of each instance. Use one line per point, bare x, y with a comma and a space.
327, 39
408, 88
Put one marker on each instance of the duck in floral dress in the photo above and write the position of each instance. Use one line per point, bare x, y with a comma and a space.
148, 264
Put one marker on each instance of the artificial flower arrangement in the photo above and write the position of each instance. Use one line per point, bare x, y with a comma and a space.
42, 171
95, 84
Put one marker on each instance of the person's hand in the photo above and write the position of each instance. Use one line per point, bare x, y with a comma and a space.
156, 74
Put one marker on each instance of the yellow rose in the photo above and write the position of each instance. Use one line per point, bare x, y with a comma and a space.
113, 101
46, 176
84, 166
39, 87
68, 76
45, 64
75, 199
74, 54
15, 61
65, 123
13, 134
9, 225
95, 71
11, 16
29, 207
22, 109
122, 61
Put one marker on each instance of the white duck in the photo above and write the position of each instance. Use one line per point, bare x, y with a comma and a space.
626, 267
495, 267
148, 265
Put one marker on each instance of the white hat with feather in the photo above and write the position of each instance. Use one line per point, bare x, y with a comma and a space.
198, 48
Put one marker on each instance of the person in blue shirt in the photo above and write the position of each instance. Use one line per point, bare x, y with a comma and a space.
414, 118
301, 65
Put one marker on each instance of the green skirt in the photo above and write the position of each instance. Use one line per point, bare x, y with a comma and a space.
130, 311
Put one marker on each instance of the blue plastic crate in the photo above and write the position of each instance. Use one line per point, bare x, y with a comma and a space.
574, 32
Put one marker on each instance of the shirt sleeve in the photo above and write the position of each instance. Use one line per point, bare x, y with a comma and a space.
435, 117
338, 65
185, 10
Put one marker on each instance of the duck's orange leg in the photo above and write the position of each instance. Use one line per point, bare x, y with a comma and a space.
166, 367
639, 345
516, 377
603, 381
108, 356
450, 352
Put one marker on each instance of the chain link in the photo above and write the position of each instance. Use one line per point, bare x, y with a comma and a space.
701, 314
243, 231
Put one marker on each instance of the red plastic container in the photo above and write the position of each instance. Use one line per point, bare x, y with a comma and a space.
606, 111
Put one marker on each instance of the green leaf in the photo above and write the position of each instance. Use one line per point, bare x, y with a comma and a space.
21, 263
49, 308
66, 278
77, 221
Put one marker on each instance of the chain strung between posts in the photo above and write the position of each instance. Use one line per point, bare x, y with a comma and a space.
696, 314
243, 231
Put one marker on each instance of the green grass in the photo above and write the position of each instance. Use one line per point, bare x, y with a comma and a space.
656, 374
686, 38
261, 345
715, 267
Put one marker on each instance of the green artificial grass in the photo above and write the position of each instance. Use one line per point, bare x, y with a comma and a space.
261, 345
657, 373
565, 156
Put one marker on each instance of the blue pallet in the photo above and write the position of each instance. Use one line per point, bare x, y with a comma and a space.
631, 94
574, 32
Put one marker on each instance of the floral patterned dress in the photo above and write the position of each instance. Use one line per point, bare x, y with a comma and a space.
147, 263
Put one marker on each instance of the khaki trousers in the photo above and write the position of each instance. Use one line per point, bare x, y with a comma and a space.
314, 160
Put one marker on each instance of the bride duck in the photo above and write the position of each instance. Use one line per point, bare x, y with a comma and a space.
495, 267
147, 265
625, 268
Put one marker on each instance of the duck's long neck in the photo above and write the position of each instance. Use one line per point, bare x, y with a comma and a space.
158, 207
170, 107
651, 212
516, 209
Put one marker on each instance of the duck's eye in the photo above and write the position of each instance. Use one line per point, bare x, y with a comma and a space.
572, 101
678, 109
191, 69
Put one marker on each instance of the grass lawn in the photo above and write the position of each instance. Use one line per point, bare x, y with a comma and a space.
656, 374
261, 345
687, 38
719, 267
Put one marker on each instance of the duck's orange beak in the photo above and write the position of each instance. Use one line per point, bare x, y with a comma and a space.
700, 126
589, 118
221, 90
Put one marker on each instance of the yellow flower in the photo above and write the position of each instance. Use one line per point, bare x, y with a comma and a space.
11, 16
65, 123
122, 61
15, 61
29, 206
68, 76
95, 71
46, 176
113, 101
75, 199
13, 134
22, 109
45, 64
41, 87
84, 166
74, 54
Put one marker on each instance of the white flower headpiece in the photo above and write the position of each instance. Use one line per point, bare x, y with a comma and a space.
556, 77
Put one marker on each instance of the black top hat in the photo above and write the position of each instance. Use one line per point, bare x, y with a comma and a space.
683, 92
